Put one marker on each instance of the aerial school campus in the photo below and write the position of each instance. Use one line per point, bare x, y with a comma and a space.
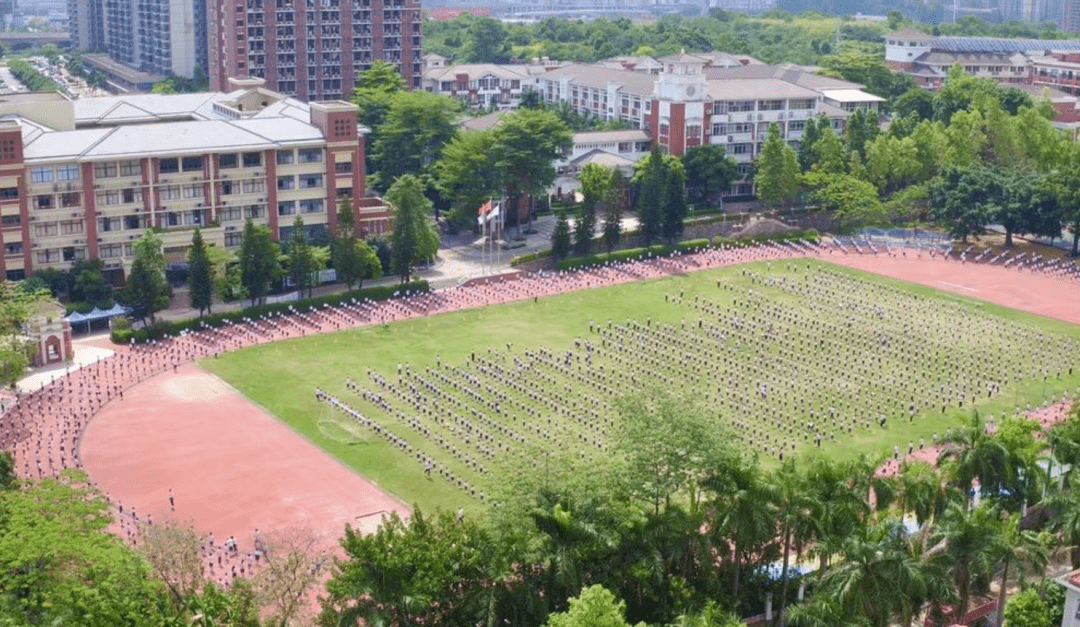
457, 398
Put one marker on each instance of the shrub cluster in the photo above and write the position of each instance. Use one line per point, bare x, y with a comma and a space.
124, 334
29, 75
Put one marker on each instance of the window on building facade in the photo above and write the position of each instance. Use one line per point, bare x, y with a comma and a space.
286, 208
44, 201
12, 220
311, 181
227, 161
284, 157
194, 191
192, 164
71, 227
132, 194
68, 172
310, 155
311, 206
47, 230
130, 168
169, 166
231, 214
252, 159
343, 167
41, 175
254, 187
9, 193
69, 199
286, 182
104, 170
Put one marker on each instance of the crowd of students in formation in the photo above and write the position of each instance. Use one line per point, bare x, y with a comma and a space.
793, 357
43, 428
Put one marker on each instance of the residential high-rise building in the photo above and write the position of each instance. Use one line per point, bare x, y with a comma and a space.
86, 22
160, 37
312, 49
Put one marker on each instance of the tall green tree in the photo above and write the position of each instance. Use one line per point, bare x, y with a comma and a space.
466, 174
811, 133
861, 129
301, 259
414, 238
675, 206
429, 571
709, 169
526, 145
963, 199
561, 238
353, 259
147, 292
376, 88
650, 174
200, 279
259, 265
594, 607
417, 126
597, 186
488, 39
777, 179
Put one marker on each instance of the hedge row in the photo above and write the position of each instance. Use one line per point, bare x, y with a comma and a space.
686, 246
533, 256
171, 328
658, 250
806, 235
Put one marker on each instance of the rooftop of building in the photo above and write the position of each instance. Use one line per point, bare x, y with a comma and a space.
606, 137
945, 57
910, 34
124, 72
636, 83
482, 122
480, 70
604, 158
252, 118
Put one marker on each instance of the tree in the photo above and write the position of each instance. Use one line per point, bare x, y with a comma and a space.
594, 607
972, 542
791, 505
745, 519
1067, 182
597, 185
811, 133
650, 174
1021, 547
259, 265
414, 237
853, 202
1027, 609
708, 169
962, 199
147, 292
675, 206
290, 569
417, 126
861, 129
374, 92
970, 453
915, 101
560, 237
828, 151
301, 259
431, 571
174, 552
777, 177
467, 174
527, 143
488, 37
353, 260
200, 280
869, 70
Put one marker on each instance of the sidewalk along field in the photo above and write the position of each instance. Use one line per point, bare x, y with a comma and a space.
790, 356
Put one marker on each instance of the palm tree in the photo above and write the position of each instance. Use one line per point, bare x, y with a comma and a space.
743, 517
922, 491
886, 575
1022, 547
868, 484
838, 509
972, 454
1065, 506
972, 539
792, 506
